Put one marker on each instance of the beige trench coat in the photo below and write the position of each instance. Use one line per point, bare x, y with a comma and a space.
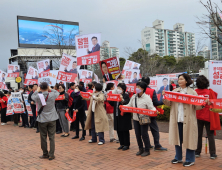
100, 117
190, 130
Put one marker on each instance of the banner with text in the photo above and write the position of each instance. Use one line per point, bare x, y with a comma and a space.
32, 76
131, 76
131, 65
9, 107
3, 76
17, 102
43, 67
13, 70
27, 104
85, 75
88, 48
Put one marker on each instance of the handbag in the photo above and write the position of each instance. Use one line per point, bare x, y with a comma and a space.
40, 111
143, 120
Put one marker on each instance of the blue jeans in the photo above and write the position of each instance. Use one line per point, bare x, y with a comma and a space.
190, 154
93, 131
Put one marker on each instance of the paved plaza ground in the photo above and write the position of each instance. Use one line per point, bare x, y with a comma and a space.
20, 149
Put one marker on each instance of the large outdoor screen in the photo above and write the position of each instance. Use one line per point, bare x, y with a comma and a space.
37, 32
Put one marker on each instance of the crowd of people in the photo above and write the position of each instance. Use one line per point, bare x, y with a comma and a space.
98, 115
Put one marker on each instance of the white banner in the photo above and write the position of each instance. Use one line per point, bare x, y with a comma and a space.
3, 76
131, 76
27, 104
88, 48
50, 79
17, 102
131, 65
215, 76
32, 76
43, 65
13, 70
85, 75
9, 107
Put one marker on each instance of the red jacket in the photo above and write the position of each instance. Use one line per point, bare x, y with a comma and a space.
149, 92
4, 104
88, 101
109, 108
70, 98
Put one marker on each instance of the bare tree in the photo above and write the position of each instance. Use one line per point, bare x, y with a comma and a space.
211, 23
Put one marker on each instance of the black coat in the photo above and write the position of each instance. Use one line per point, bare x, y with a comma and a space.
121, 123
62, 104
78, 103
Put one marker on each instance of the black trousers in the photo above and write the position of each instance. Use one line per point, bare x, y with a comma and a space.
3, 115
80, 119
141, 132
210, 135
73, 124
15, 118
155, 132
58, 126
33, 107
25, 118
124, 137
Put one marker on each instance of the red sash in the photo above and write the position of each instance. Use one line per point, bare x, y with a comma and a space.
85, 94
114, 97
60, 97
69, 118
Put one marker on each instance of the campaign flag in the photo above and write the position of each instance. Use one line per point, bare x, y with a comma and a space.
68, 69
43, 67
27, 104
131, 76
85, 76
88, 49
131, 65
9, 107
215, 76
96, 78
13, 70
110, 68
32, 76
17, 102
3, 76
50, 79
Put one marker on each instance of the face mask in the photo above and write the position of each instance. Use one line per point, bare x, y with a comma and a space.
138, 90
76, 90
119, 91
21, 91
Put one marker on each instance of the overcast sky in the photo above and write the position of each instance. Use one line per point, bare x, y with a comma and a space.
119, 21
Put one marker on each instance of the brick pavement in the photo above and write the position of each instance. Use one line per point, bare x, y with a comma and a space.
20, 149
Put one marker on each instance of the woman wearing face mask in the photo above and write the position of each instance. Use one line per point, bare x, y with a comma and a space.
109, 111
183, 123
122, 124
61, 106
142, 101
78, 106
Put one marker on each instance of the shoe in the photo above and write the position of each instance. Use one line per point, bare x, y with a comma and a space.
140, 152
44, 157
75, 137
151, 147
175, 161
22, 126
66, 135
58, 132
3, 124
125, 148
26, 126
160, 149
188, 163
117, 141
15, 124
112, 140
74, 130
82, 138
100, 143
37, 131
145, 153
51, 158
197, 154
213, 156
121, 147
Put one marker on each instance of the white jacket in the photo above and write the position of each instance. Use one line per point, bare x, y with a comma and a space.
143, 102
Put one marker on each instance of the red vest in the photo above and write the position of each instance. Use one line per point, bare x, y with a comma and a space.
149, 92
109, 108
70, 98
174, 86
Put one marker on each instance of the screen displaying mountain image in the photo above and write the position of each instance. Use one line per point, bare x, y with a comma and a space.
40, 33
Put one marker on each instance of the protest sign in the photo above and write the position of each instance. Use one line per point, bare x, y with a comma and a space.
131, 88
163, 83
3, 76
131, 76
3, 86
88, 49
50, 78
131, 65
68, 69
85, 76
31, 77
43, 66
110, 68
215, 76
27, 104
17, 102
9, 107
13, 70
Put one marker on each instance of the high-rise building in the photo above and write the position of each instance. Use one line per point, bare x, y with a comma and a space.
166, 42
205, 53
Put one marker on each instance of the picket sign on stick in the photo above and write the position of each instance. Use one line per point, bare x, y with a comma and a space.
85, 94
114, 97
184, 98
151, 113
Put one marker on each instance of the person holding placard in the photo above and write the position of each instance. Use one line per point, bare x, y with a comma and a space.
183, 123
